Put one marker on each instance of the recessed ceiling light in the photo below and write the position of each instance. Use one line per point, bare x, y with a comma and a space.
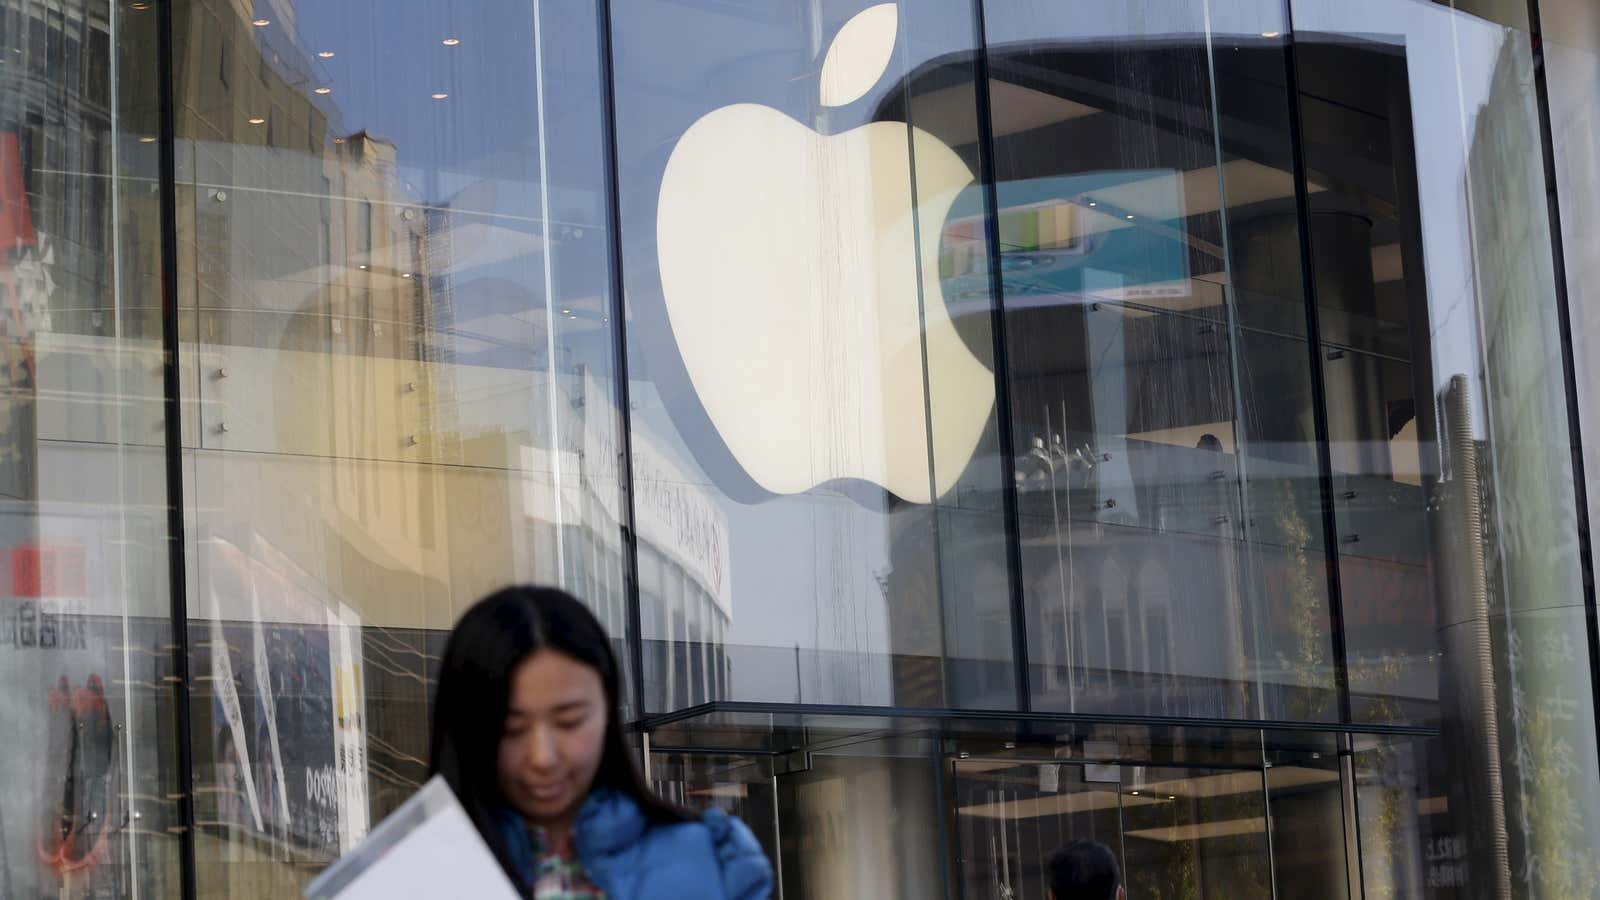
261, 23
324, 90
1136, 793
257, 120
450, 42
362, 267
326, 54
1130, 217
1093, 203
566, 312
440, 96
405, 274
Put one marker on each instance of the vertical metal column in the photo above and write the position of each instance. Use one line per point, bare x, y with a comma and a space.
619, 318
1002, 367
1355, 878
1319, 393
172, 409
1266, 814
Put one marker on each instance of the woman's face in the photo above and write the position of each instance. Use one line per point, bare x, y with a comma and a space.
555, 733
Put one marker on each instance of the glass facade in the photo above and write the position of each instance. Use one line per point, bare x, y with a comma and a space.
980, 424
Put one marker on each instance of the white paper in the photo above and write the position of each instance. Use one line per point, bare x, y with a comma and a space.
427, 849
1049, 778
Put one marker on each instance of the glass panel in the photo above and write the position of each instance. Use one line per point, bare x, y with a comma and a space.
1312, 835
1366, 255
864, 819
1011, 816
1570, 36
88, 797
396, 294
743, 787
815, 454
1571, 42
1460, 564
1182, 833
1161, 397
1194, 833
1407, 849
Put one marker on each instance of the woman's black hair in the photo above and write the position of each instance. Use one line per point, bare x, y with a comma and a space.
494, 637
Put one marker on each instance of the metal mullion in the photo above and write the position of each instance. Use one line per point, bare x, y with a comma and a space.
619, 318
173, 443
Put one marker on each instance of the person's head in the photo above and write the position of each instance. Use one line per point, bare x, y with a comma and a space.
525, 717
1085, 870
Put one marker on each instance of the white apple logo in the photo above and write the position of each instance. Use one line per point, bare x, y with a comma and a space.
791, 279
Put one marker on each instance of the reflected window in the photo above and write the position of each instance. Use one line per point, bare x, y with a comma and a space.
389, 414
812, 377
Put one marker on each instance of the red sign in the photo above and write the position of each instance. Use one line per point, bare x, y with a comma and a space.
42, 570
16, 221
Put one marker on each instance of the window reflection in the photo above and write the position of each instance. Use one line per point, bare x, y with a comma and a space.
1171, 516
812, 382
398, 357
1441, 346
1285, 426
87, 703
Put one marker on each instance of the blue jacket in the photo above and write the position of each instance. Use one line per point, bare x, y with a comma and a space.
632, 858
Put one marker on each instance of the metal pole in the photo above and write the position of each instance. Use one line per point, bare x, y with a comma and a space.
1319, 392
619, 318
1002, 368
173, 439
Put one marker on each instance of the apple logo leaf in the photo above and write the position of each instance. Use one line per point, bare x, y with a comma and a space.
859, 54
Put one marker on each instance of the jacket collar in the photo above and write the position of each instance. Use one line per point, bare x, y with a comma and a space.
608, 822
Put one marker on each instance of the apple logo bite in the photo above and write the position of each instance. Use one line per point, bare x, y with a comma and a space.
800, 274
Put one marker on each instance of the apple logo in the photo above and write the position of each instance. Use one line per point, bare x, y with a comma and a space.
800, 278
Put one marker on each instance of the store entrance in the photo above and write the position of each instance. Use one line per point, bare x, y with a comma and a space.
1178, 832
865, 806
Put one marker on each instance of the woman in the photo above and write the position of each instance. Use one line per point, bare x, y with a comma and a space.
527, 733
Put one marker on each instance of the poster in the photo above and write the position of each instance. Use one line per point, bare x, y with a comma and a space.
288, 710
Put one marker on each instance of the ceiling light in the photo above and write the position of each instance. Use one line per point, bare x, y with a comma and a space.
138, 7
257, 120
1135, 793
450, 42
1130, 217
338, 140
1093, 203
261, 23
324, 90
440, 96
362, 267
326, 54
147, 140
566, 312
1271, 34
405, 274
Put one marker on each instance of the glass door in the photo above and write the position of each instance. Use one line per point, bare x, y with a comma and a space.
1178, 833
